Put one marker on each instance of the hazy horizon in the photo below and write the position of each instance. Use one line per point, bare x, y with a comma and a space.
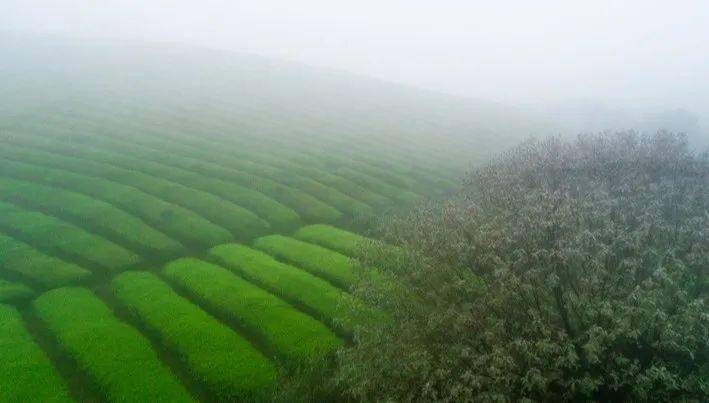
601, 65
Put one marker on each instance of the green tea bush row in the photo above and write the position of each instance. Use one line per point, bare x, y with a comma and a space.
378, 186
67, 239
29, 263
322, 262
217, 356
240, 160
406, 179
305, 148
86, 160
178, 222
114, 355
307, 206
157, 163
329, 161
25, 372
301, 151
329, 195
308, 292
345, 242
91, 214
287, 332
293, 179
345, 186
13, 292
359, 200
151, 162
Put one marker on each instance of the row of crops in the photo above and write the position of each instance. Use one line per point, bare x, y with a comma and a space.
141, 261
224, 326
178, 225
245, 191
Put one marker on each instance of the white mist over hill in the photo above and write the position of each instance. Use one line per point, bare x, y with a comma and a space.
589, 65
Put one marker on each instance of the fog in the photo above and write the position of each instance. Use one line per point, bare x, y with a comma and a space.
589, 65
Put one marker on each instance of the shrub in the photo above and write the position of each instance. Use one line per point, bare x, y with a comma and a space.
339, 240
117, 358
308, 207
33, 265
312, 200
308, 292
290, 334
156, 161
345, 186
403, 181
217, 356
171, 219
331, 196
233, 170
330, 265
12, 292
160, 157
90, 214
565, 271
378, 186
25, 372
83, 159
65, 238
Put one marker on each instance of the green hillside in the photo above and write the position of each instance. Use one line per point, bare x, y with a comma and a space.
178, 224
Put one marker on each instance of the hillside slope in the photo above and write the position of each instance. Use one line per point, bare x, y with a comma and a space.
232, 93
153, 195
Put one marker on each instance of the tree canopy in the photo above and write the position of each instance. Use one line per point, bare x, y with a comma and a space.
563, 270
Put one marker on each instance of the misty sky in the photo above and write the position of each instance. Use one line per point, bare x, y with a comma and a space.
624, 52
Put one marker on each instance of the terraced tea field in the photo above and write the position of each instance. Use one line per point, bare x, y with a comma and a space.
181, 231
134, 273
143, 263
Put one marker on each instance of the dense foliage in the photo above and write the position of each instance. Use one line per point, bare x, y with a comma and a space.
564, 271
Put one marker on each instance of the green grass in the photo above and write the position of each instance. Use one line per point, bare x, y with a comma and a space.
26, 375
241, 222
22, 259
292, 335
13, 292
314, 295
115, 356
345, 242
217, 356
90, 213
56, 235
330, 265
169, 218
